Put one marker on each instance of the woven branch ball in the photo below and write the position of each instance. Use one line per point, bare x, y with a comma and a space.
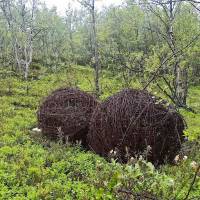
66, 112
133, 121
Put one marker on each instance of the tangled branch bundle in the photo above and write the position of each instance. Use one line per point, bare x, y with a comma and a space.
66, 112
132, 120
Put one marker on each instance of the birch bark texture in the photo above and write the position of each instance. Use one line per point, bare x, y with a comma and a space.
90, 6
20, 16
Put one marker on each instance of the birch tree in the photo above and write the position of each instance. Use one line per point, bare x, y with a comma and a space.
20, 17
70, 15
90, 6
166, 13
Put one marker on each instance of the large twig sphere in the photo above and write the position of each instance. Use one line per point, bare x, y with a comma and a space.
66, 113
132, 122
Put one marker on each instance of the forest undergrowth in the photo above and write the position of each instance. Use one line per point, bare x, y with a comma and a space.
32, 167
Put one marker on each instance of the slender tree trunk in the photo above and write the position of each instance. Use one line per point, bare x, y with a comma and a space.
23, 50
180, 75
182, 86
69, 23
90, 5
95, 49
71, 38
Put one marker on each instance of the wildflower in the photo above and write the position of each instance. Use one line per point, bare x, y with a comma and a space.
140, 158
37, 130
194, 165
176, 159
132, 159
149, 148
185, 158
141, 178
105, 183
171, 182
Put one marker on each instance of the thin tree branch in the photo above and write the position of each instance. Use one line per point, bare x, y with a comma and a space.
170, 58
192, 183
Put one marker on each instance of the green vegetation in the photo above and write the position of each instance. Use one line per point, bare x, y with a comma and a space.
146, 44
32, 167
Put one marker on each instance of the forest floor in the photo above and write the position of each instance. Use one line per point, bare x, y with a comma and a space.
31, 167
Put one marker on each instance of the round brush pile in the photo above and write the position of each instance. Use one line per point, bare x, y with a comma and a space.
132, 122
66, 113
